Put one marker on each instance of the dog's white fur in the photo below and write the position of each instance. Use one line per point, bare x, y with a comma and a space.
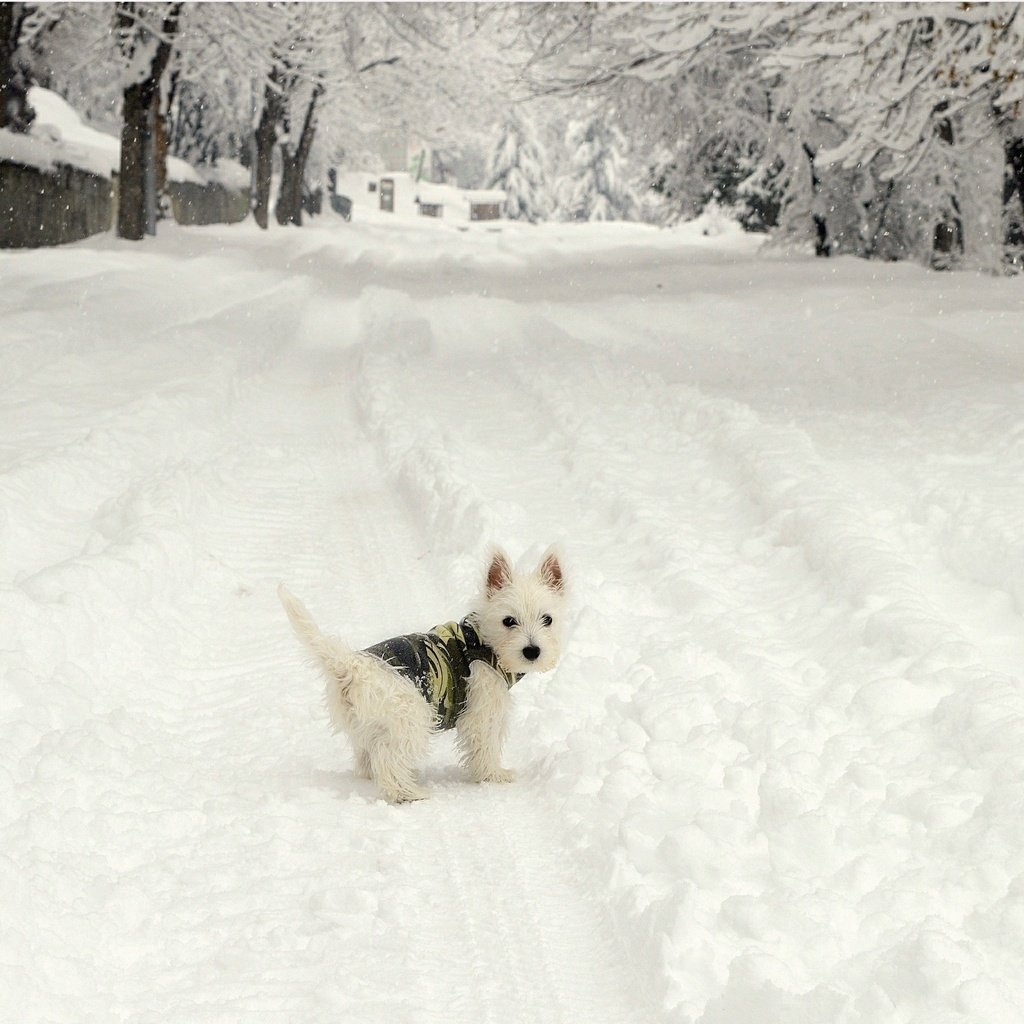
388, 720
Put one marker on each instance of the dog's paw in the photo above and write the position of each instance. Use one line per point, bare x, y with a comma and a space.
496, 775
406, 796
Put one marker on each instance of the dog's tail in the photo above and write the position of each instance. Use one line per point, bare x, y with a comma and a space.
327, 650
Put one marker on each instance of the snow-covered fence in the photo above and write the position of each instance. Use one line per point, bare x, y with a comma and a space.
207, 204
58, 204
59, 181
49, 207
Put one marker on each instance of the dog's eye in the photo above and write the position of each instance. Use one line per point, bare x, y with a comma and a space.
509, 623
546, 620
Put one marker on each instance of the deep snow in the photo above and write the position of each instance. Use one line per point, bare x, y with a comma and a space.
777, 778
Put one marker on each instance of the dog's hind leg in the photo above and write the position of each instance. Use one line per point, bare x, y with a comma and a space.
389, 724
395, 769
363, 767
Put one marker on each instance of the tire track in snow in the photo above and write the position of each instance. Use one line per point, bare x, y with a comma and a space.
589, 976
508, 402
803, 600
945, 495
186, 767
225, 869
919, 666
956, 515
474, 873
534, 924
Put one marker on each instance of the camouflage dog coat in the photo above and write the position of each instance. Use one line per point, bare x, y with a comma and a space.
438, 663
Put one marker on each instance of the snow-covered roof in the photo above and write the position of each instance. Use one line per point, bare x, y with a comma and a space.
60, 136
229, 173
485, 195
32, 152
428, 192
74, 142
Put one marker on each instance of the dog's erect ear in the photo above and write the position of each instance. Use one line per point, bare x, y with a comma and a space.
499, 572
550, 572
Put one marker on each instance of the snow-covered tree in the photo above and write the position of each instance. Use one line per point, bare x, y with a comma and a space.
698, 112
340, 71
597, 186
924, 97
882, 129
145, 37
15, 113
888, 130
518, 165
114, 61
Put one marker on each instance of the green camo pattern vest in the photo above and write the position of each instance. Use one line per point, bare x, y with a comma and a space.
438, 663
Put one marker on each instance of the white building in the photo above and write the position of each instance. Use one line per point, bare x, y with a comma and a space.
408, 197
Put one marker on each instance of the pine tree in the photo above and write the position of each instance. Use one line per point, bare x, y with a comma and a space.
597, 187
518, 165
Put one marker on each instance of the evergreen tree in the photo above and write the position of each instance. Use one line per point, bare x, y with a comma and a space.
598, 187
518, 165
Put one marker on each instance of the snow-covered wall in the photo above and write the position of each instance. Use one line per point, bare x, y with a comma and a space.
50, 207
211, 203
59, 204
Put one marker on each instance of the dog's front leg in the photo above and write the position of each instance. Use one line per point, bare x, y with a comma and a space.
481, 727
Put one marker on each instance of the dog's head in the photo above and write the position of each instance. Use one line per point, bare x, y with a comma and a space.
521, 615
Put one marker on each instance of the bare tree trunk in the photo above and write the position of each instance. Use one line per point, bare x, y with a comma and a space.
948, 236
293, 167
289, 196
131, 202
265, 138
871, 246
822, 246
1015, 158
137, 199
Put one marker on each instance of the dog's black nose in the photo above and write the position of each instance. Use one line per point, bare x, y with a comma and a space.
531, 653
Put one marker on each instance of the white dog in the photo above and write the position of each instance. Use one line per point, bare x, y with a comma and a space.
390, 697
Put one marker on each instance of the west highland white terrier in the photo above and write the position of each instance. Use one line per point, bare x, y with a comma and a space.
390, 697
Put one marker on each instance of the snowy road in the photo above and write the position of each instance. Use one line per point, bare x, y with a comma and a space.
778, 776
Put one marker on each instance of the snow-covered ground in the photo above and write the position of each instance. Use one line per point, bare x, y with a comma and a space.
778, 777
